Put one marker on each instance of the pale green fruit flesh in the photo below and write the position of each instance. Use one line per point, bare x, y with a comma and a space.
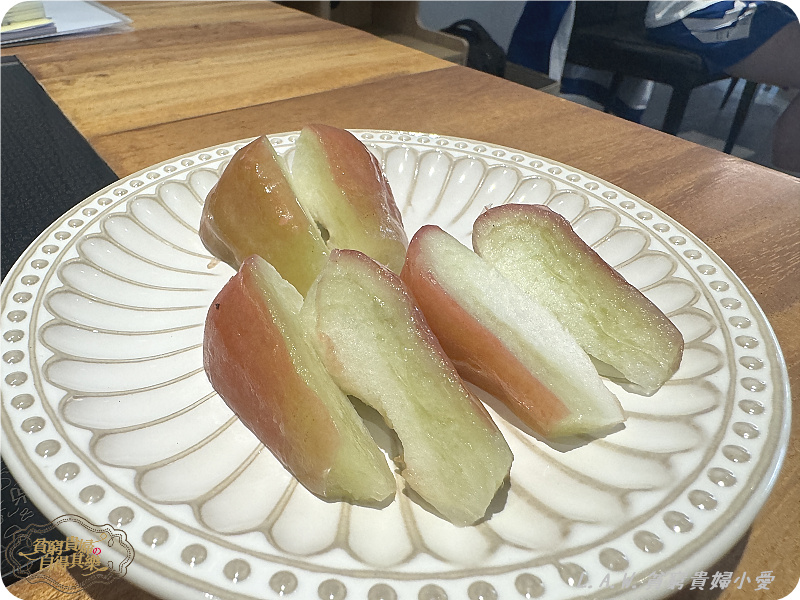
530, 332
253, 210
258, 358
340, 184
374, 341
538, 250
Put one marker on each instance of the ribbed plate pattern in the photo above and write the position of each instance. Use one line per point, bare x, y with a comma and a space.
104, 390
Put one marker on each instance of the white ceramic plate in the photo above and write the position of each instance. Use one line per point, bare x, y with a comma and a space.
107, 412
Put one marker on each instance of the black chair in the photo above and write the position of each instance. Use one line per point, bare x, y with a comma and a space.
611, 36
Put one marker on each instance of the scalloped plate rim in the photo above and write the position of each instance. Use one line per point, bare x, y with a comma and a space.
707, 554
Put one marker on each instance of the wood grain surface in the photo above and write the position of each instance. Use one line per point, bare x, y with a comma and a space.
186, 59
183, 81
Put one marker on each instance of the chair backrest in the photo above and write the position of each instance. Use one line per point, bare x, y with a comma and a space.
591, 12
611, 36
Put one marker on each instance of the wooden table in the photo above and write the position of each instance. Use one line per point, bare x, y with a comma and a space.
192, 75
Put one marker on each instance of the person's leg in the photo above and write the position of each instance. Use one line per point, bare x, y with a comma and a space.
786, 138
777, 62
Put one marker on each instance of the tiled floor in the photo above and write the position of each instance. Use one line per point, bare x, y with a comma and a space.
705, 123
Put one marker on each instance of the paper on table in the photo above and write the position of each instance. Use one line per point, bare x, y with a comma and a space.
28, 29
26, 20
73, 17
24, 11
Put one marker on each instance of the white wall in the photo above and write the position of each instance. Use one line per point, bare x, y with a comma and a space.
498, 18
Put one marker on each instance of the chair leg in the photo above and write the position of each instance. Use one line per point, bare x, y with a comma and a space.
728, 92
677, 106
741, 114
613, 88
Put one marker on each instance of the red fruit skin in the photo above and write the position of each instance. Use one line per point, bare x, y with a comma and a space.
479, 356
358, 174
253, 210
248, 363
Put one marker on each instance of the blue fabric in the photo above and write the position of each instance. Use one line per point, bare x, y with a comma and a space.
534, 34
531, 46
768, 19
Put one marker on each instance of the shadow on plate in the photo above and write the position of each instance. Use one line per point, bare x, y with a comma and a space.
563, 444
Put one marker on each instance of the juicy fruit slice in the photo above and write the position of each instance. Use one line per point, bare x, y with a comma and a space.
340, 183
503, 342
537, 249
253, 210
374, 341
257, 359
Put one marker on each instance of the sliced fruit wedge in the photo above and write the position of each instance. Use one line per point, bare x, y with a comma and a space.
257, 358
340, 183
504, 342
536, 248
253, 210
375, 342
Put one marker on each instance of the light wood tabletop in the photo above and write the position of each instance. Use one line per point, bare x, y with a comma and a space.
191, 75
